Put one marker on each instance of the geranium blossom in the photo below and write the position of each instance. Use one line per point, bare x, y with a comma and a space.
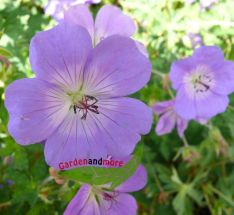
56, 8
109, 21
100, 200
203, 82
77, 102
169, 119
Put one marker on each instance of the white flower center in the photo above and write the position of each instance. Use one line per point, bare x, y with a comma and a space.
83, 104
199, 82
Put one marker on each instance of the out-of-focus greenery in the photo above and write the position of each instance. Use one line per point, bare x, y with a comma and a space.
185, 177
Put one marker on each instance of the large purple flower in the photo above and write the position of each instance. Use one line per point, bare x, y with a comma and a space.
100, 200
169, 118
56, 8
76, 102
203, 82
109, 21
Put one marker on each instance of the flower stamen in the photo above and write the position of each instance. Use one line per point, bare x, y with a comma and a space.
88, 103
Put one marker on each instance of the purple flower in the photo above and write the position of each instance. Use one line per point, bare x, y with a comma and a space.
56, 8
203, 82
109, 21
196, 40
100, 200
77, 102
169, 118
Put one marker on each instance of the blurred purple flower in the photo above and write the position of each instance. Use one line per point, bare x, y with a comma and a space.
100, 200
10, 182
168, 118
56, 8
203, 82
77, 102
196, 40
207, 3
109, 21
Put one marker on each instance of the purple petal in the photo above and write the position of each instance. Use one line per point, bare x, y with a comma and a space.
58, 55
129, 113
166, 123
224, 77
91, 207
75, 139
141, 47
211, 105
121, 205
161, 107
36, 109
179, 69
80, 15
134, 183
185, 105
181, 126
116, 68
110, 21
208, 55
80, 200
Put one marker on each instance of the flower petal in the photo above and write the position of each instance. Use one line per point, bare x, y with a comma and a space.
78, 203
36, 109
224, 77
141, 47
129, 113
110, 20
166, 123
134, 183
211, 106
80, 15
179, 69
208, 55
185, 104
122, 204
75, 139
58, 55
161, 107
116, 68
181, 126
91, 207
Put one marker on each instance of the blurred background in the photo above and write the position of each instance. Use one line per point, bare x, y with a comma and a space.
193, 176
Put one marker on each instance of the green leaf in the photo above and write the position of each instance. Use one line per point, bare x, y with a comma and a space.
5, 52
97, 176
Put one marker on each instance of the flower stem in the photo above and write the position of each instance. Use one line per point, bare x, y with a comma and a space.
162, 75
185, 141
5, 204
219, 193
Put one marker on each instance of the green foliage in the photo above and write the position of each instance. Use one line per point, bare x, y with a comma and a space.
193, 179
